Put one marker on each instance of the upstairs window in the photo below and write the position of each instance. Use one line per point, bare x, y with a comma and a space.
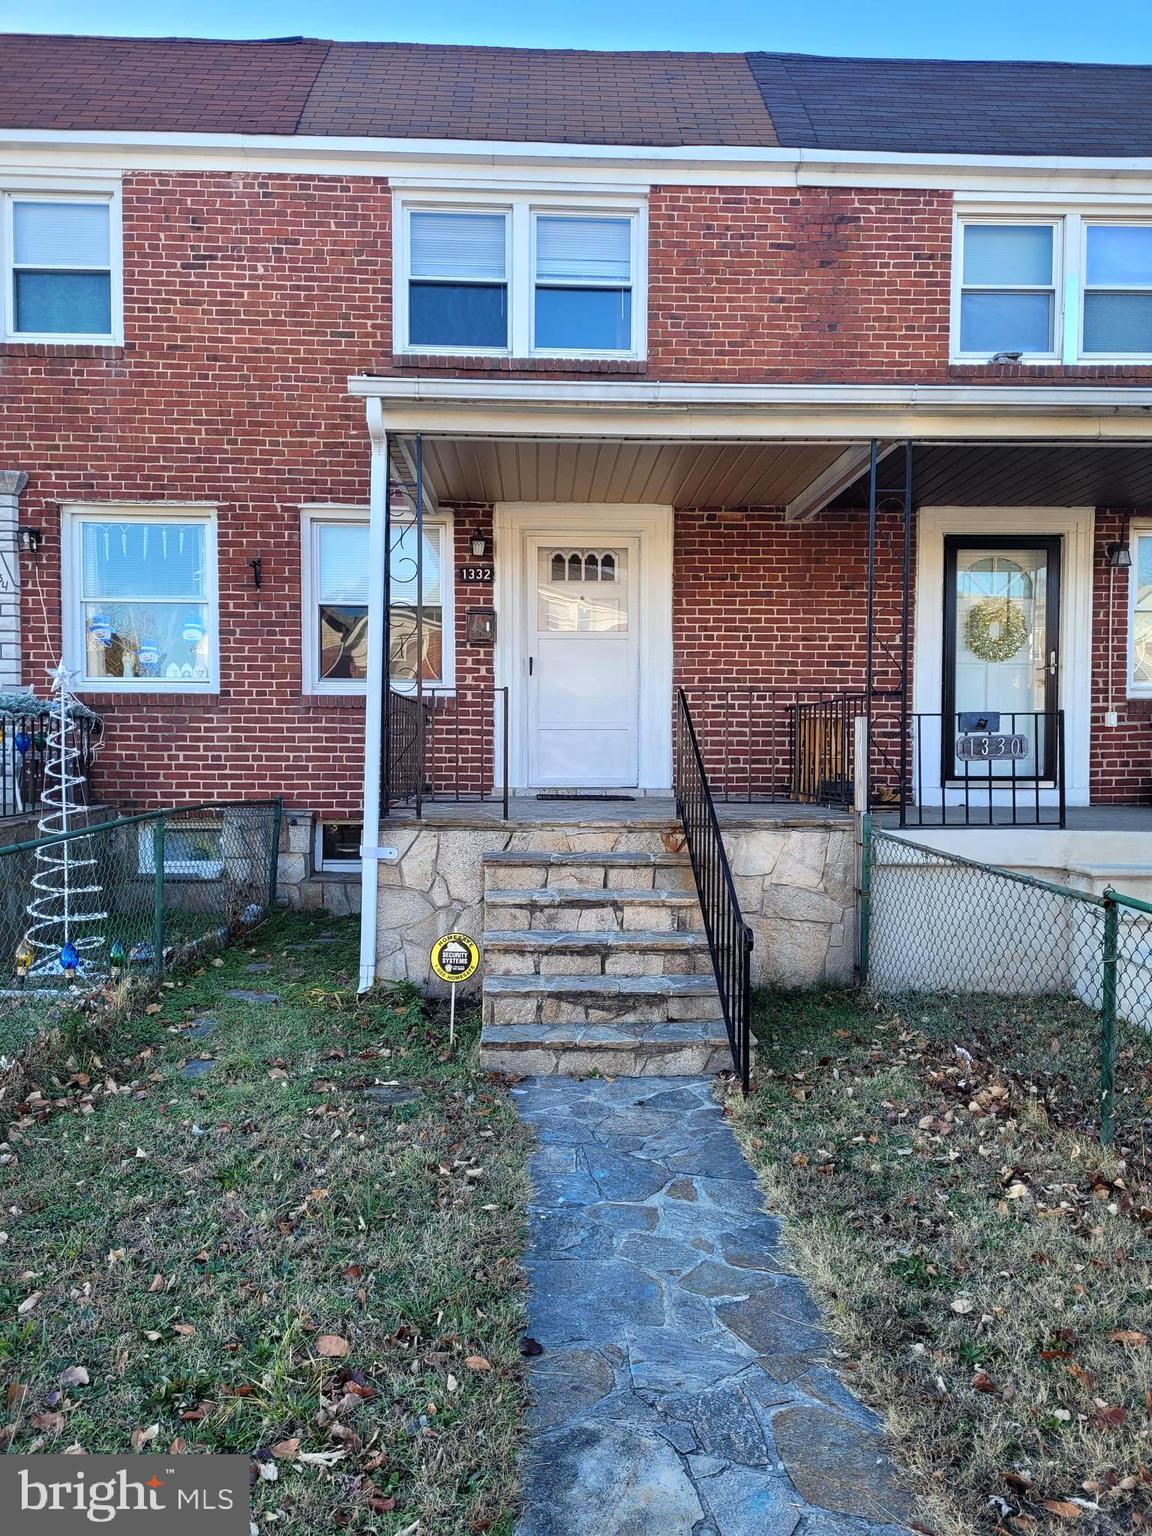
60, 282
583, 284
529, 276
458, 287
1008, 289
1117, 289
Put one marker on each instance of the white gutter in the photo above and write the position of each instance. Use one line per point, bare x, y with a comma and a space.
374, 703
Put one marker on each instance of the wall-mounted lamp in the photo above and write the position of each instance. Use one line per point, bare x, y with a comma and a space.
28, 540
257, 564
1119, 556
478, 544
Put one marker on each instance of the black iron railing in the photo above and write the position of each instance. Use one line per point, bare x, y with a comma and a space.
729, 936
24, 756
447, 744
766, 744
986, 768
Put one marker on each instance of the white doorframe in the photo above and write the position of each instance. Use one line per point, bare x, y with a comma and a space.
1075, 526
566, 522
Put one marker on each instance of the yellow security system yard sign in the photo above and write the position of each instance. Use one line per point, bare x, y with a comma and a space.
454, 958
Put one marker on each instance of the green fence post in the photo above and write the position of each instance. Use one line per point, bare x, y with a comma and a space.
1108, 1022
274, 858
865, 923
158, 894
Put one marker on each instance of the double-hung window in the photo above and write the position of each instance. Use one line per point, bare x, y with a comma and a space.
336, 604
1117, 290
531, 276
61, 268
1008, 288
140, 598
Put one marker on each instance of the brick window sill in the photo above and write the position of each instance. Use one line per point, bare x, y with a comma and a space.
426, 362
308, 702
100, 703
111, 351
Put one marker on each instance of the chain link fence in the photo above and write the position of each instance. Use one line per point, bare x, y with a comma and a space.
87, 910
936, 923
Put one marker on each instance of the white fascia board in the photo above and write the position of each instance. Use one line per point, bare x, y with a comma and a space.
757, 413
655, 392
494, 160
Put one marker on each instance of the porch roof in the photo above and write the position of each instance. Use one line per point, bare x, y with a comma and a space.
802, 448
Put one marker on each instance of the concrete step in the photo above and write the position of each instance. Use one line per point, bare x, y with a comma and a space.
598, 999
599, 909
688, 1049
589, 871
623, 952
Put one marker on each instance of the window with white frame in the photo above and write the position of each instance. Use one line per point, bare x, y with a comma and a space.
192, 850
336, 603
337, 847
1068, 286
527, 277
61, 277
1117, 289
1008, 288
140, 598
1140, 612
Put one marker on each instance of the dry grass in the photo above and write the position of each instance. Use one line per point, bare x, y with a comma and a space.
189, 1241
987, 1268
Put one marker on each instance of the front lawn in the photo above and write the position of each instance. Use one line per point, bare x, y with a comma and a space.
986, 1266
260, 1254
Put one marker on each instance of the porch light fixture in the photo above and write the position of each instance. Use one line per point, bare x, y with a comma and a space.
1119, 556
28, 540
478, 544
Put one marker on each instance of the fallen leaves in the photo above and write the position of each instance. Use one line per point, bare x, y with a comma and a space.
1130, 1337
139, 1438
331, 1346
478, 1363
73, 1376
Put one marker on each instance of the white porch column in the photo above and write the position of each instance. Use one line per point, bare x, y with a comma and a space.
12, 482
375, 684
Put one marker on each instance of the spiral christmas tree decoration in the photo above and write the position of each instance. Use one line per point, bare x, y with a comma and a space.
63, 915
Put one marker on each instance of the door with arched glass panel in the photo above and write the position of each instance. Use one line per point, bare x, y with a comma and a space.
1001, 657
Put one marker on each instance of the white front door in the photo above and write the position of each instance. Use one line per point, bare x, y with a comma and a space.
582, 631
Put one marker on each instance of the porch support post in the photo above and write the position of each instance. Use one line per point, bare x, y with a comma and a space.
870, 601
905, 624
376, 686
12, 482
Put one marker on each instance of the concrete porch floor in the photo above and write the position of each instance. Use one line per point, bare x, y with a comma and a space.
596, 815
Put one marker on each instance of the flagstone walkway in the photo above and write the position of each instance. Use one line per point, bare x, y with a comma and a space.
682, 1389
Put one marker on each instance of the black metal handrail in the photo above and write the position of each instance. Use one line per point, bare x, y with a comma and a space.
983, 768
446, 744
729, 936
769, 743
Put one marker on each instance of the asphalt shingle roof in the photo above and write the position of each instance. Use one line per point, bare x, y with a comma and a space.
944, 106
420, 91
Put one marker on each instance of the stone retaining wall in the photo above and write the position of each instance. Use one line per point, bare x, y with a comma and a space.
795, 882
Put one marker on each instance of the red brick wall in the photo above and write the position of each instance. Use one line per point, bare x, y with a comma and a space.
249, 300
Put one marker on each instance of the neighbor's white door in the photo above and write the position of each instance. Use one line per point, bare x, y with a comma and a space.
581, 628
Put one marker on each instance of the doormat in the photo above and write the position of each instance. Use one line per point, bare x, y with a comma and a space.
560, 795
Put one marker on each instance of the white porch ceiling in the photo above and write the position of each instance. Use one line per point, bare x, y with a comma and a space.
601, 470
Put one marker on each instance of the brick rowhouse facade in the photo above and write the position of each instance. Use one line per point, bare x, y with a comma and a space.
249, 299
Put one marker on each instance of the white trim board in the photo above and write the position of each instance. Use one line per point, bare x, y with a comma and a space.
1075, 526
512, 523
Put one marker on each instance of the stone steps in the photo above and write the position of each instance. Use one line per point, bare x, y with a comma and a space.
600, 909
690, 1049
597, 999
595, 960
627, 952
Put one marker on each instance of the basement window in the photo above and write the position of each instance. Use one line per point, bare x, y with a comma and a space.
338, 846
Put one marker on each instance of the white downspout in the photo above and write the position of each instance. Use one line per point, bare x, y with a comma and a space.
374, 702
